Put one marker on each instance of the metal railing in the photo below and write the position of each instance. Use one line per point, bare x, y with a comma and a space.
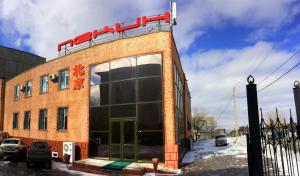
152, 27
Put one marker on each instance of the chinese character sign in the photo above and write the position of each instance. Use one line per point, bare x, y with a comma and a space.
78, 73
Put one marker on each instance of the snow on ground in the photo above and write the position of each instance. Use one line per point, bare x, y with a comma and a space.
62, 167
206, 148
287, 163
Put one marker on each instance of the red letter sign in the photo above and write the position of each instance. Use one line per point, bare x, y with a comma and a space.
118, 28
83, 38
78, 72
165, 17
64, 43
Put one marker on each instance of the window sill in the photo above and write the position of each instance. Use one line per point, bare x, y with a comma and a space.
42, 93
62, 131
45, 130
62, 89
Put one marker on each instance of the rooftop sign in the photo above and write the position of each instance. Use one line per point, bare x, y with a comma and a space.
88, 36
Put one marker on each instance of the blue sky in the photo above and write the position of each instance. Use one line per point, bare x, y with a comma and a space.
220, 42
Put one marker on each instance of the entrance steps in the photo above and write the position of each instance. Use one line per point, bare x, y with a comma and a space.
135, 168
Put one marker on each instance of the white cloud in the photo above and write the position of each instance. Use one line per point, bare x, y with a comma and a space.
213, 74
261, 15
49, 22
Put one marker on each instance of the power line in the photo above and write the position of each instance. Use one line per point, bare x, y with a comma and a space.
281, 65
224, 110
260, 64
276, 69
295, 66
277, 79
288, 59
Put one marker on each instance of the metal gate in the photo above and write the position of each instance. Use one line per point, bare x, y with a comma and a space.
280, 146
273, 145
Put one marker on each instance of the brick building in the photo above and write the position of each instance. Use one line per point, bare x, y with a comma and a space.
126, 99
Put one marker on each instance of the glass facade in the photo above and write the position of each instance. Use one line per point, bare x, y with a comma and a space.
126, 118
179, 111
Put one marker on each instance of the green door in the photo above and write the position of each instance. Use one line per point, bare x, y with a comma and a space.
123, 139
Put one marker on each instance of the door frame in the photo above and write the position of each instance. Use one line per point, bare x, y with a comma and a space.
122, 145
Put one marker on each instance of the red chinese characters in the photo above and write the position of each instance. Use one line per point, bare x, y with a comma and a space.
78, 73
88, 36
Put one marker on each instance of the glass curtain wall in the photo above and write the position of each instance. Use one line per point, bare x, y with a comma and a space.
179, 111
127, 88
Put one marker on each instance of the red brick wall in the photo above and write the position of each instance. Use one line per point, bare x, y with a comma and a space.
81, 148
172, 158
2, 93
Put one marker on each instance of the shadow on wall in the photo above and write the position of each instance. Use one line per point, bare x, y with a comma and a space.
77, 153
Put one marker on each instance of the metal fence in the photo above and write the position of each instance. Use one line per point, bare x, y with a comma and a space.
280, 146
273, 145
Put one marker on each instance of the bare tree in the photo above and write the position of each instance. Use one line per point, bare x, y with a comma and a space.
212, 125
198, 120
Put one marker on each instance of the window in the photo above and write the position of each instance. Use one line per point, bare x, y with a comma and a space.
153, 94
15, 120
123, 92
44, 84
17, 92
179, 110
64, 79
99, 144
122, 69
99, 73
99, 119
150, 145
118, 111
28, 89
99, 95
62, 120
129, 87
150, 116
43, 119
27, 120
149, 65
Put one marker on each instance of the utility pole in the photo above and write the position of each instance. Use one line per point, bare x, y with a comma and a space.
234, 112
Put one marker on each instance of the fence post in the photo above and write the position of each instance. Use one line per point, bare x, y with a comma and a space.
249, 155
296, 90
256, 167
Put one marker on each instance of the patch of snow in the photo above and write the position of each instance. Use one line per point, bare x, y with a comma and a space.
206, 148
62, 167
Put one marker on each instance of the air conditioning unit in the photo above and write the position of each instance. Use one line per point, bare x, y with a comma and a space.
22, 88
53, 77
69, 148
